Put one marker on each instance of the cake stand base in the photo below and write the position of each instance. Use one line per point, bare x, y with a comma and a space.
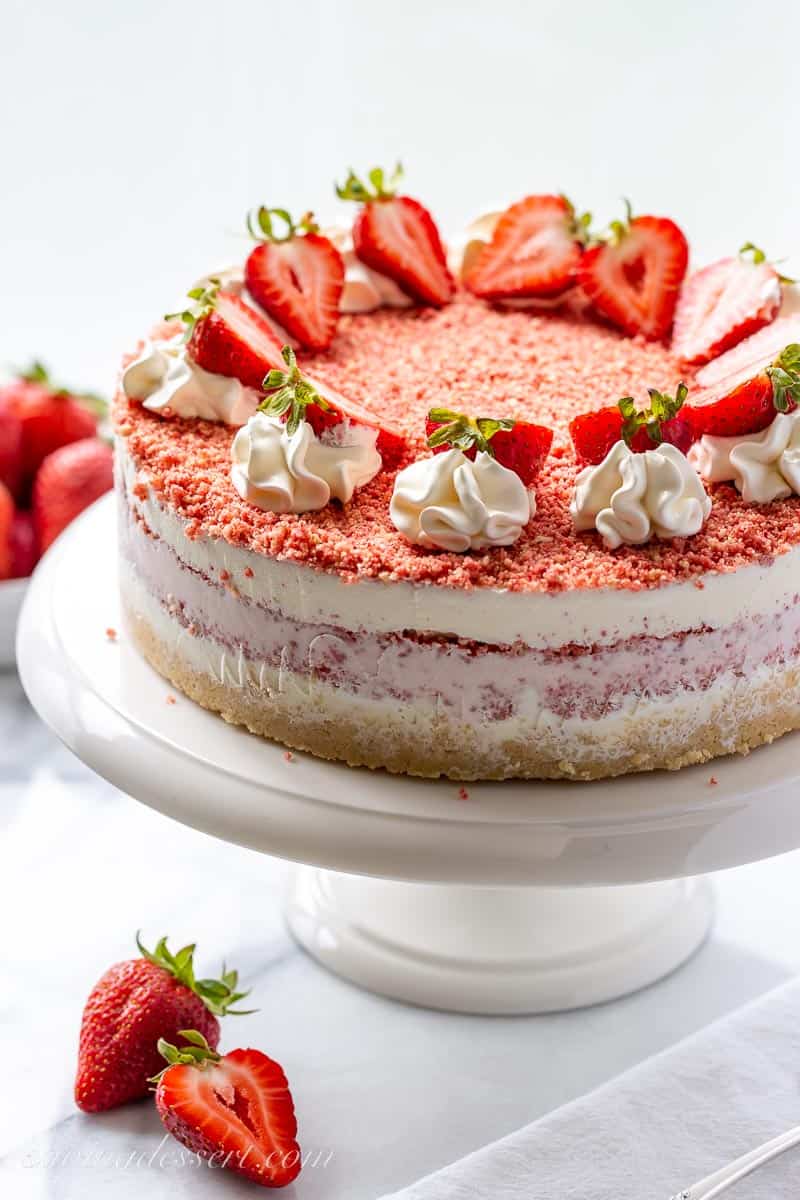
497, 950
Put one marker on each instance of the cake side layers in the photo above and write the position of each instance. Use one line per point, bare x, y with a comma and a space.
583, 617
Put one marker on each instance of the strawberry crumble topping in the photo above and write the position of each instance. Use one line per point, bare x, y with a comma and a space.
468, 357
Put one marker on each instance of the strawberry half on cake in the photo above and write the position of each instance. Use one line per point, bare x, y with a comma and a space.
457, 539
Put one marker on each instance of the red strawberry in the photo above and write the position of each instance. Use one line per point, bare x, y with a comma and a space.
24, 545
750, 356
68, 481
10, 447
518, 445
397, 237
734, 406
6, 527
228, 337
633, 278
297, 278
297, 397
133, 1005
235, 1109
534, 251
50, 417
724, 303
665, 420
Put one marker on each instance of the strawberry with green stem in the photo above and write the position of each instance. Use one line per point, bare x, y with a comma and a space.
518, 445
397, 237
135, 1003
225, 336
724, 303
665, 419
731, 409
296, 274
294, 397
235, 1109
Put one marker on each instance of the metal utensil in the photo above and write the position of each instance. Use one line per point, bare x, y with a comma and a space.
714, 1185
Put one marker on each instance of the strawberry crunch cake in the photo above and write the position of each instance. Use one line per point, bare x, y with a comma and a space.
525, 505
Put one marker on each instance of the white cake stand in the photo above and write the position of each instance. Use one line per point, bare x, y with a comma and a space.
522, 897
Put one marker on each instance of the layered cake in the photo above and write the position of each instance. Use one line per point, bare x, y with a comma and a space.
523, 506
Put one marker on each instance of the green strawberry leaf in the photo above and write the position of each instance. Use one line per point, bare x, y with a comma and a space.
218, 995
662, 408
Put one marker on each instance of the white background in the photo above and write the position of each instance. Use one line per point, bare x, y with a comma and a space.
135, 135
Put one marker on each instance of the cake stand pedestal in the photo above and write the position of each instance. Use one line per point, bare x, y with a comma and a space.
521, 897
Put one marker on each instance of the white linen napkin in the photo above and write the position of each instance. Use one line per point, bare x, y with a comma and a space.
659, 1127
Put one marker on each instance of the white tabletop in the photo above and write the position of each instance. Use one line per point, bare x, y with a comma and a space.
384, 1092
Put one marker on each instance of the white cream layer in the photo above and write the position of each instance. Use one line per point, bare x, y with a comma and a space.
588, 616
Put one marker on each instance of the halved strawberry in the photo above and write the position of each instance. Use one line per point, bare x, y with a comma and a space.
736, 406
520, 446
235, 1109
397, 237
297, 277
750, 356
295, 397
724, 303
634, 277
664, 420
228, 337
534, 251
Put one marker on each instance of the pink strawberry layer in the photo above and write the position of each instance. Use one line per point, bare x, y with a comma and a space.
470, 357
473, 680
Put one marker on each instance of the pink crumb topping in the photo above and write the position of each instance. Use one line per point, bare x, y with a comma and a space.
469, 357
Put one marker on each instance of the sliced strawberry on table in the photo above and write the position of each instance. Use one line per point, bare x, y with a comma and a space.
134, 1004
634, 276
228, 337
736, 406
6, 528
665, 419
724, 303
534, 251
49, 416
520, 446
397, 237
297, 276
24, 545
295, 397
233, 1109
67, 482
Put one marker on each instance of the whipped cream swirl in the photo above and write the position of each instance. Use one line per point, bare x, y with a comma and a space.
167, 381
281, 472
763, 466
447, 502
631, 497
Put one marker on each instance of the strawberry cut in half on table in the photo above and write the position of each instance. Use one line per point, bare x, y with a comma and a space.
737, 406
296, 275
397, 237
534, 251
665, 419
518, 445
133, 1005
633, 277
294, 397
235, 1109
228, 337
724, 303
67, 482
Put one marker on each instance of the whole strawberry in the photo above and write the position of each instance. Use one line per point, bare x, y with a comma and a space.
6, 532
130, 1008
68, 481
50, 417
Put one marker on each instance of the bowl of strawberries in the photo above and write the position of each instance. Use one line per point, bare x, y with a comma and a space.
53, 464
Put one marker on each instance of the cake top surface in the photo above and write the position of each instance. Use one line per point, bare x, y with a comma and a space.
469, 357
